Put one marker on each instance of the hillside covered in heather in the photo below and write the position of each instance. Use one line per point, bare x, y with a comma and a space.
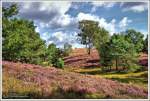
34, 81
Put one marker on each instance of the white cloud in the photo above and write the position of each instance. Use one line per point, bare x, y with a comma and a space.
52, 16
62, 6
44, 35
97, 4
49, 7
62, 21
47, 13
102, 3
75, 7
60, 38
84, 16
139, 7
77, 45
124, 23
37, 29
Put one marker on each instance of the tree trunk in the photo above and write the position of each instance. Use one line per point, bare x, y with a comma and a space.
89, 50
116, 64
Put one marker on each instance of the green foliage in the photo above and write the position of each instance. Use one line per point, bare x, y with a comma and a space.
67, 49
145, 49
54, 55
106, 58
20, 41
133, 67
135, 38
60, 63
120, 52
51, 53
9, 12
101, 37
88, 29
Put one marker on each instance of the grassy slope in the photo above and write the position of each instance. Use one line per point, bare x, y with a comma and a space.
139, 78
33, 81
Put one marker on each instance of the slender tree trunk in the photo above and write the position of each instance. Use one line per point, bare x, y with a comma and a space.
89, 46
89, 50
116, 64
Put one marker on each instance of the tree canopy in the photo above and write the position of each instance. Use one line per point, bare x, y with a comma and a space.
91, 34
136, 38
118, 51
20, 41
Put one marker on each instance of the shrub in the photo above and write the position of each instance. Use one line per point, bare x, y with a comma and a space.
60, 63
133, 68
67, 49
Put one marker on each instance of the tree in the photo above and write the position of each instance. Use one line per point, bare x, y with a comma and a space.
60, 63
20, 41
7, 13
88, 29
135, 38
105, 56
54, 55
52, 52
118, 51
145, 49
10, 11
101, 37
67, 49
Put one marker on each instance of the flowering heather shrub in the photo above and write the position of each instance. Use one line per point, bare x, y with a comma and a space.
35, 81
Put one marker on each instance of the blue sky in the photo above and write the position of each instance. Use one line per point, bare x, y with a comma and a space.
57, 22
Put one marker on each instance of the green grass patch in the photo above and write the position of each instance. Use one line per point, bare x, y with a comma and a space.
137, 78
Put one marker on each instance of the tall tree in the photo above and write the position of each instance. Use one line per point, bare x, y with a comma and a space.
145, 49
91, 34
20, 41
100, 37
136, 38
119, 50
87, 31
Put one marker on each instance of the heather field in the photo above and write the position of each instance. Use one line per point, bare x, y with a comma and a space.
33, 81
74, 50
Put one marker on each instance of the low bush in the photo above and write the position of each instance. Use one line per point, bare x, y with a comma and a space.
134, 68
59, 63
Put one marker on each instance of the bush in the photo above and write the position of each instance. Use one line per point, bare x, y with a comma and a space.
67, 49
133, 68
60, 63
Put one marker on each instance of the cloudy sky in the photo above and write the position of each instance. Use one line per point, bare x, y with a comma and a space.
57, 22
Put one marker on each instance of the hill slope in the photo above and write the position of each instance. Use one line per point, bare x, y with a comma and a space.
80, 58
34, 81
